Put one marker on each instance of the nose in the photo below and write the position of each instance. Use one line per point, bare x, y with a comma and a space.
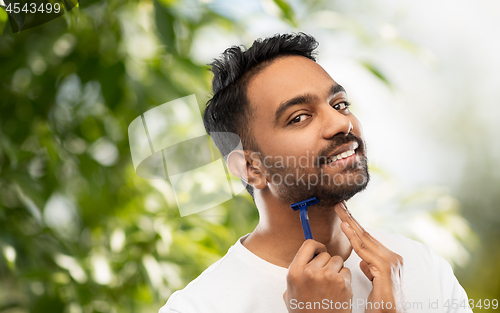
334, 122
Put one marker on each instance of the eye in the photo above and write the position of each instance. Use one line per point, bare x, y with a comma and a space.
341, 105
299, 118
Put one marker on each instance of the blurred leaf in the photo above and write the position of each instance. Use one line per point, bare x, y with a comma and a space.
165, 25
287, 10
18, 19
375, 71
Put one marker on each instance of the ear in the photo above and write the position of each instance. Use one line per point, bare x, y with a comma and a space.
247, 166
236, 163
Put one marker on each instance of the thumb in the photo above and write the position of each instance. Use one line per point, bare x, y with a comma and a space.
365, 269
284, 295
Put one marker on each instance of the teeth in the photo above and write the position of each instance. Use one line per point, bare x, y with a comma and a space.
340, 156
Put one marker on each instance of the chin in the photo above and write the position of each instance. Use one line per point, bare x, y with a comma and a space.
328, 193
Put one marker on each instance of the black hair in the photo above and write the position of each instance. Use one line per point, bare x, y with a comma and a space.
228, 112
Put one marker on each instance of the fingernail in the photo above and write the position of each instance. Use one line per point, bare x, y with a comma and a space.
347, 210
344, 204
348, 226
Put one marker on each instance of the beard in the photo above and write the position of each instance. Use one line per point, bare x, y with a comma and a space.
297, 183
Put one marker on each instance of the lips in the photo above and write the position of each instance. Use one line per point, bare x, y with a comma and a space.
342, 149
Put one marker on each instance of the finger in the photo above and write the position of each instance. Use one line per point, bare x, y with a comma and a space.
346, 216
382, 250
307, 251
362, 230
366, 270
346, 273
335, 264
363, 235
320, 260
361, 249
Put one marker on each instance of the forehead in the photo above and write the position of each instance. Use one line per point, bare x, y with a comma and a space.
284, 79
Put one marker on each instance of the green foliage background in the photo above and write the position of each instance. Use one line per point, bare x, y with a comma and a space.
69, 84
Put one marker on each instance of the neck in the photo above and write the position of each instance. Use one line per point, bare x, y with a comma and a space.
279, 234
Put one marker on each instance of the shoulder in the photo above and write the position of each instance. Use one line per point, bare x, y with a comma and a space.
408, 248
420, 260
238, 280
396, 240
200, 287
427, 275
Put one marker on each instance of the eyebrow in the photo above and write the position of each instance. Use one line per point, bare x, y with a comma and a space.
302, 99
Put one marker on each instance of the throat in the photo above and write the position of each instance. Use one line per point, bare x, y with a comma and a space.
279, 246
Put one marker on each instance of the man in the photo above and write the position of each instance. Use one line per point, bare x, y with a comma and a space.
300, 140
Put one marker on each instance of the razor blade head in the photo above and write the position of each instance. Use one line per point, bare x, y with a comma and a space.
304, 203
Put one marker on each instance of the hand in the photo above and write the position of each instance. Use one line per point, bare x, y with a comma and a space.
382, 266
323, 280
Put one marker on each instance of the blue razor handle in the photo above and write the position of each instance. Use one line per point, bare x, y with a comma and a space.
304, 219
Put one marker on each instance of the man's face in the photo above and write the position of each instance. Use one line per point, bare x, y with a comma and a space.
299, 122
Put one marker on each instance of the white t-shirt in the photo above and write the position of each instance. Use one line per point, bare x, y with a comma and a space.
243, 282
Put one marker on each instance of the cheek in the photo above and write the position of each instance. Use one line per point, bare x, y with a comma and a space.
295, 145
295, 149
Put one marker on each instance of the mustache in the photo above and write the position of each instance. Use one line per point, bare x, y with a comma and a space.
337, 141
